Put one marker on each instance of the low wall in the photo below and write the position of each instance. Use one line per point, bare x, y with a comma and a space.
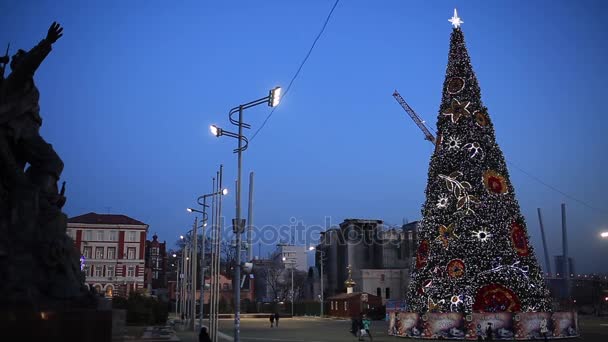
505, 325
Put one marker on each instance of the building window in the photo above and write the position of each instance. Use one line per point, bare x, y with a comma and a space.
379, 292
112, 235
131, 271
132, 236
345, 306
98, 252
87, 270
99, 271
110, 271
131, 253
87, 252
154, 250
100, 235
155, 275
388, 293
382, 277
88, 235
111, 252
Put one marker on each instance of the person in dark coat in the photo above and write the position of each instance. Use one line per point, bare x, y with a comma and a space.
489, 332
271, 320
276, 319
203, 336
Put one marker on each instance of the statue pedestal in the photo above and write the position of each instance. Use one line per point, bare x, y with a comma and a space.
86, 325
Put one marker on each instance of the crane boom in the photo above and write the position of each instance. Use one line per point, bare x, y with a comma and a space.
428, 135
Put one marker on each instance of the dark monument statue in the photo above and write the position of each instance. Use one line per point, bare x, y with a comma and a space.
41, 277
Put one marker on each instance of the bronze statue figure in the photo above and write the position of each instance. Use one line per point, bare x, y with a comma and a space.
20, 122
39, 265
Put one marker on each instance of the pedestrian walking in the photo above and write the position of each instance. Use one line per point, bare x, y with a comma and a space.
543, 328
271, 320
479, 332
489, 332
365, 328
276, 319
203, 336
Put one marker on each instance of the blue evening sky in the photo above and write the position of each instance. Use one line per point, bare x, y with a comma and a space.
129, 91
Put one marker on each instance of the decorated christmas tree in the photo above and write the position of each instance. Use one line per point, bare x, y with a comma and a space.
473, 253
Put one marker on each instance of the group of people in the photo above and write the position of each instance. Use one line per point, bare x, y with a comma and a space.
488, 332
274, 318
360, 327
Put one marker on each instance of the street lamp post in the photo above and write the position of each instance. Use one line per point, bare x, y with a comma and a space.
272, 100
312, 248
292, 266
202, 259
176, 285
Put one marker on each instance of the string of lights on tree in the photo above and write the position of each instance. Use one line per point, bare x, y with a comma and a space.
473, 252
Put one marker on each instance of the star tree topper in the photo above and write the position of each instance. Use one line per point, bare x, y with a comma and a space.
455, 20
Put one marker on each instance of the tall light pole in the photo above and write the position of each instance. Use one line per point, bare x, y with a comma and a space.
292, 265
272, 100
312, 248
202, 258
176, 284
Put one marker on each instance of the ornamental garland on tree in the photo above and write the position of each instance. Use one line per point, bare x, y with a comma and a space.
473, 252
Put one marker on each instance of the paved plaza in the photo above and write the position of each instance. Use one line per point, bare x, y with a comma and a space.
329, 330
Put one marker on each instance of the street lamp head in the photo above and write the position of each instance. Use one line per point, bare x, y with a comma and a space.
174, 255
205, 224
275, 97
215, 130
284, 258
311, 248
181, 237
225, 191
189, 210
604, 234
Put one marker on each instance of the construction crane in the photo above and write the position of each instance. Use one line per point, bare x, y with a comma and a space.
427, 134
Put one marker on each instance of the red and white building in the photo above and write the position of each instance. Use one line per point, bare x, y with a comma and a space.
113, 249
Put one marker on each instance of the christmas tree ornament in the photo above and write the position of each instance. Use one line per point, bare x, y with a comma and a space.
446, 234
475, 149
481, 119
456, 268
455, 85
494, 182
442, 202
453, 143
519, 239
457, 109
483, 235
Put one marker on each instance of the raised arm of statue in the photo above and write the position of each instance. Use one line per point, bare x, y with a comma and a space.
25, 64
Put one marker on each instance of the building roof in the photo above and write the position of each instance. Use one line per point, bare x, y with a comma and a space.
350, 295
94, 218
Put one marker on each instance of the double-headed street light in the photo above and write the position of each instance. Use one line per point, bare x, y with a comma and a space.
273, 99
223, 192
